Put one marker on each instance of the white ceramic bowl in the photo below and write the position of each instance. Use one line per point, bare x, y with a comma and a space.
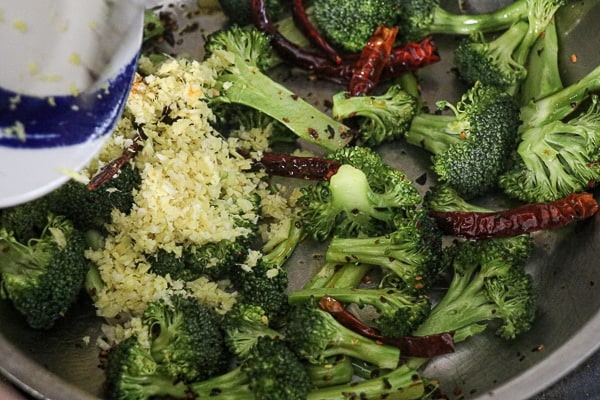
67, 67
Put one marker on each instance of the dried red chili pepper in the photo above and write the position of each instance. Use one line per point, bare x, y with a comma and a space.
310, 168
373, 59
314, 36
410, 346
524, 219
114, 166
403, 58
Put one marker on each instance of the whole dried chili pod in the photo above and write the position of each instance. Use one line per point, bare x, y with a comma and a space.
407, 57
523, 219
410, 346
310, 168
372, 60
314, 36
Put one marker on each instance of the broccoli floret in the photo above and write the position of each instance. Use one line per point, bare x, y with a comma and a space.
557, 153
243, 325
556, 159
399, 311
248, 52
132, 374
271, 371
411, 254
381, 118
92, 209
361, 199
470, 147
402, 383
488, 284
503, 61
43, 276
492, 62
444, 198
239, 12
315, 335
420, 18
26, 220
265, 284
212, 259
348, 25
186, 338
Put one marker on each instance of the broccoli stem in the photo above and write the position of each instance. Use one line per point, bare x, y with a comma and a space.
338, 371
464, 24
543, 77
433, 132
402, 383
250, 87
559, 105
231, 385
335, 275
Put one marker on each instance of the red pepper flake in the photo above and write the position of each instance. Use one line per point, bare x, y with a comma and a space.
286, 120
313, 133
295, 97
537, 348
573, 58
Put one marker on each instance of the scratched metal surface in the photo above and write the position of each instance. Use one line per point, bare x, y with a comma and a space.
58, 364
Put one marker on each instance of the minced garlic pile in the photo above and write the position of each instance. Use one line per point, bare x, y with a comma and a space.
193, 180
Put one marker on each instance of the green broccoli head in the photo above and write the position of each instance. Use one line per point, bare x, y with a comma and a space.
92, 209
316, 335
243, 325
381, 118
470, 148
410, 255
239, 12
444, 198
275, 372
348, 25
492, 62
489, 283
361, 199
186, 338
27, 220
132, 374
43, 276
556, 159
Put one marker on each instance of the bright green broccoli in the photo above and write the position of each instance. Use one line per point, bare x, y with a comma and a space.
243, 325
410, 255
315, 335
381, 118
270, 371
26, 220
420, 18
361, 199
502, 62
265, 284
471, 146
186, 338
399, 311
239, 12
402, 383
335, 371
444, 198
132, 374
488, 284
348, 25
92, 209
558, 150
556, 159
43, 276
244, 53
